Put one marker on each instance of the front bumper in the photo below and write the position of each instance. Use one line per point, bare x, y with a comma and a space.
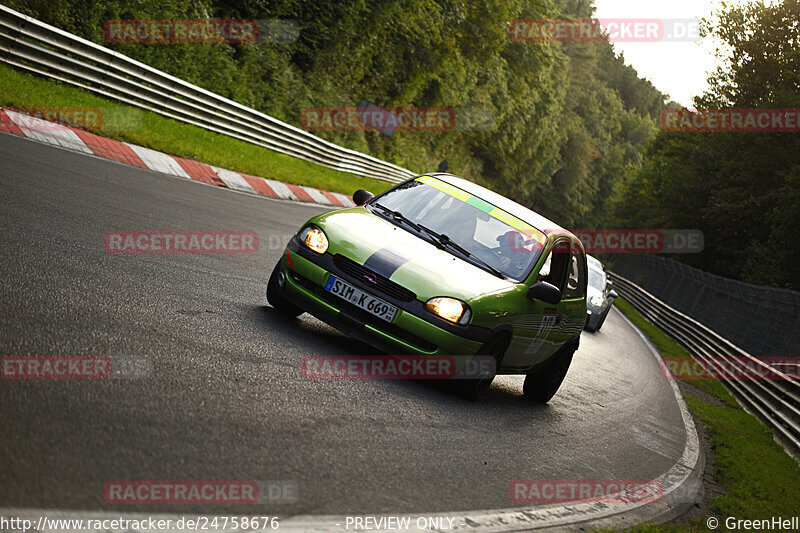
407, 334
594, 315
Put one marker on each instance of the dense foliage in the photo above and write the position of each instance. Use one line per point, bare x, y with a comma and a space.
566, 121
741, 189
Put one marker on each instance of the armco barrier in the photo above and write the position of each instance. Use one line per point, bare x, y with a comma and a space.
39, 48
763, 321
775, 400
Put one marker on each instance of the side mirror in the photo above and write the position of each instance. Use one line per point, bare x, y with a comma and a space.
360, 197
613, 294
541, 290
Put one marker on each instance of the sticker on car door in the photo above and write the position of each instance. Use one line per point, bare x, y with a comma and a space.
548, 321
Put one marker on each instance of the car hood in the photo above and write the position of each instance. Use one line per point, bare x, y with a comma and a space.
405, 258
592, 292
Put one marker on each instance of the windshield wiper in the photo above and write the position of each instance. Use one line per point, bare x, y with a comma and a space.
444, 240
396, 215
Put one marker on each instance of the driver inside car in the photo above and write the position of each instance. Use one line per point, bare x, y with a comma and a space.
513, 250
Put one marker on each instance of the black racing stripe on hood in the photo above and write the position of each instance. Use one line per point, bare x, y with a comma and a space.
385, 262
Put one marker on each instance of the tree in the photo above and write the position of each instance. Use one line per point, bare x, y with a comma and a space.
740, 189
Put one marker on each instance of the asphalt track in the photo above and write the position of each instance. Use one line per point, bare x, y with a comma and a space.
225, 399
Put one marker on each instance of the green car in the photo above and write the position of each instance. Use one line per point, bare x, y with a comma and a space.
440, 266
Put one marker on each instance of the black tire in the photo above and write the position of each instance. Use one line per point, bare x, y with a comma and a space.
276, 299
542, 385
472, 389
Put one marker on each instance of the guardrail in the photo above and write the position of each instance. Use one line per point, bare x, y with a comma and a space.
774, 399
39, 48
760, 320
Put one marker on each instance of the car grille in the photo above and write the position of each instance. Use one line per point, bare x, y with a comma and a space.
382, 283
363, 316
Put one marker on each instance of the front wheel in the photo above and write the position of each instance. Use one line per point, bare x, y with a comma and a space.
542, 385
472, 389
276, 299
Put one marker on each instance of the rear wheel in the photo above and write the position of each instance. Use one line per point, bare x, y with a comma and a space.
542, 385
473, 389
274, 296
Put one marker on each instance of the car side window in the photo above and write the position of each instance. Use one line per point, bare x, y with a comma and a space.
559, 263
544, 272
576, 282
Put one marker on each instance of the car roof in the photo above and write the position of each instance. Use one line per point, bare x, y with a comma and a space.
523, 213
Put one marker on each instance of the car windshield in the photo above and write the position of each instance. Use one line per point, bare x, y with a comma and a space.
597, 279
494, 237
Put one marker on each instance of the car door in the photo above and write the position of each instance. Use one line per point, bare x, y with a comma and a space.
572, 309
536, 329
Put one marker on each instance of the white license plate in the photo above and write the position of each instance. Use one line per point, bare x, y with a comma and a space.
361, 299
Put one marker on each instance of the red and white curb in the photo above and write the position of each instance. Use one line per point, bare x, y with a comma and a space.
130, 154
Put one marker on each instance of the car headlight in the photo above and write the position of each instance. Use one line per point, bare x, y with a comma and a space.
450, 309
597, 301
314, 239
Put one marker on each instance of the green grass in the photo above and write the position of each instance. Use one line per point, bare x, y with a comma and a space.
761, 479
145, 128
